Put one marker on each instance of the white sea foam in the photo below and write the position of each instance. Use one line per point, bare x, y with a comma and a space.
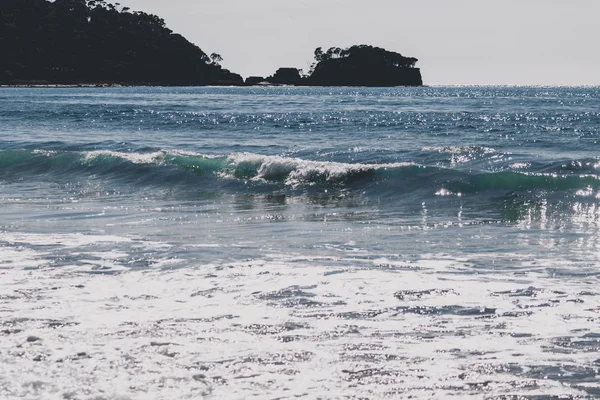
20, 257
157, 157
459, 149
520, 165
47, 153
135, 158
284, 326
294, 171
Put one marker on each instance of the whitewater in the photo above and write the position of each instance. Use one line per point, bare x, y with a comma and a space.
184, 243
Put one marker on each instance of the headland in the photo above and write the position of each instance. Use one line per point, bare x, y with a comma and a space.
96, 43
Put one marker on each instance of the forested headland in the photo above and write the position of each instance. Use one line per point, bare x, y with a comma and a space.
93, 42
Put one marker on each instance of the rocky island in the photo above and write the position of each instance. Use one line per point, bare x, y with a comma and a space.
93, 42
364, 66
361, 65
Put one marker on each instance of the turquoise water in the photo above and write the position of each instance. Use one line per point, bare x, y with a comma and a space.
281, 242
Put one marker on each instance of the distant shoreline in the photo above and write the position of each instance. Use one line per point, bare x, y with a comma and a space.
59, 86
105, 86
77, 43
118, 85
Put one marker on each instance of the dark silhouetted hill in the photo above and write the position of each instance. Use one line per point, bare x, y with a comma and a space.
355, 66
286, 76
363, 66
91, 41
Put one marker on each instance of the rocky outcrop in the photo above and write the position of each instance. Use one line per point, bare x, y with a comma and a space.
227, 78
339, 73
254, 80
355, 66
363, 66
286, 76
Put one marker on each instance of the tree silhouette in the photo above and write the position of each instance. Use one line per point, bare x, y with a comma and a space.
318, 54
216, 58
363, 65
364, 54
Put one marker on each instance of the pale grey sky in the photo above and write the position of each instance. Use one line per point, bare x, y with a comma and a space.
535, 42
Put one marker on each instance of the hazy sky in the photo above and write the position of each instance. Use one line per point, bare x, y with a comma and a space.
554, 42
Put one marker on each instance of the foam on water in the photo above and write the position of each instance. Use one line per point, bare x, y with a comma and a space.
135, 158
295, 171
384, 327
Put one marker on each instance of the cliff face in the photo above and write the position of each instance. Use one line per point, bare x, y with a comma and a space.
90, 41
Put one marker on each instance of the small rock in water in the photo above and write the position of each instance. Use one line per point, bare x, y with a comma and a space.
31, 339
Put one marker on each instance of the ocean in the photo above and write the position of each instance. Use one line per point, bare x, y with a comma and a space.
289, 242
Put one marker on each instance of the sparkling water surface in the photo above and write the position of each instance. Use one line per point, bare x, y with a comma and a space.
183, 243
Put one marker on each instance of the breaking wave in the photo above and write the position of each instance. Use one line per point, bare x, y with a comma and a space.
171, 167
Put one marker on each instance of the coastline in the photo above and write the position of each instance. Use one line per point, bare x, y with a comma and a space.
117, 85
46, 84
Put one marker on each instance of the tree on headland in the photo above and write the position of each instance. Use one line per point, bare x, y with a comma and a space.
318, 54
363, 65
216, 58
367, 55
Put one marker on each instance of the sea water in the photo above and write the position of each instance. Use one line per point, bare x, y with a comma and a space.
180, 243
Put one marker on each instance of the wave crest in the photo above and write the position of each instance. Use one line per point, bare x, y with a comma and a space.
296, 171
186, 168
